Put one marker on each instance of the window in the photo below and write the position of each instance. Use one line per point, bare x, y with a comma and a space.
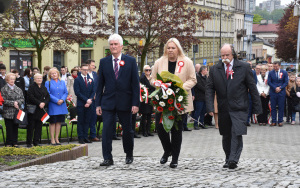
85, 55
58, 59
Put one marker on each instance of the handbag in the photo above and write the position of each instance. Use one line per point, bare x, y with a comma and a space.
297, 108
31, 108
24, 121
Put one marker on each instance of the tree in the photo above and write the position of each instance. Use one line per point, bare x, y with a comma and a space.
257, 18
53, 24
286, 43
155, 21
263, 13
276, 15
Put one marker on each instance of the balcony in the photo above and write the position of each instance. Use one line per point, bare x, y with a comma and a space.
241, 33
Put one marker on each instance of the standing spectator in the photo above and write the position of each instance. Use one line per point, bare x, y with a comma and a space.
34, 71
20, 82
200, 98
288, 89
263, 91
173, 53
270, 68
13, 100
38, 96
117, 94
2, 71
249, 96
2, 80
231, 79
57, 108
146, 109
28, 81
257, 69
70, 85
277, 80
46, 70
85, 91
63, 74
93, 75
295, 93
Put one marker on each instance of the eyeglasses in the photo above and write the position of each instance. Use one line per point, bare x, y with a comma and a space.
147, 69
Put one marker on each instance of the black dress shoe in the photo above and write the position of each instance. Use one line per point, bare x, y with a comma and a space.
248, 125
150, 134
164, 158
196, 128
186, 129
81, 141
29, 145
136, 136
87, 141
129, 160
116, 138
107, 162
36, 144
203, 127
173, 164
145, 135
232, 165
225, 165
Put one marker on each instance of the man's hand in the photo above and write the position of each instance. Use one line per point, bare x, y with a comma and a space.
277, 89
134, 109
193, 97
99, 111
89, 101
87, 105
263, 95
211, 114
42, 105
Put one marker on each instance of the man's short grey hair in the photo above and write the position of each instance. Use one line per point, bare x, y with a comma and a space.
116, 37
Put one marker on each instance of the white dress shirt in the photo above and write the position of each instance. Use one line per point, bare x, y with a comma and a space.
262, 86
230, 67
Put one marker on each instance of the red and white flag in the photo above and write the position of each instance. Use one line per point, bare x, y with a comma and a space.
45, 117
20, 115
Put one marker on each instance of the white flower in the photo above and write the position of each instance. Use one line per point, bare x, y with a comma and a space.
169, 91
143, 97
177, 90
156, 96
162, 104
165, 96
180, 98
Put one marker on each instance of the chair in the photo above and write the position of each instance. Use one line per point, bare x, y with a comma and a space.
1, 127
73, 114
99, 120
64, 125
47, 126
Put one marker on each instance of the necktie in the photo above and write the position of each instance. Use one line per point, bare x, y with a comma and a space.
277, 75
85, 81
227, 70
116, 68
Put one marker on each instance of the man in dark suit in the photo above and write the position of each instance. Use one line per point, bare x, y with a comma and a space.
277, 80
117, 93
93, 75
231, 79
85, 91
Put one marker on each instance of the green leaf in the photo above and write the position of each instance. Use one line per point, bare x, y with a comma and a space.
167, 123
154, 93
159, 77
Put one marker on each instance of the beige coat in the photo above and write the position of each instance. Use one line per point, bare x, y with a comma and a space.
70, 88
187, 75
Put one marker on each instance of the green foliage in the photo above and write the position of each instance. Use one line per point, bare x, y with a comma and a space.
257, 18
275, 15
39, 150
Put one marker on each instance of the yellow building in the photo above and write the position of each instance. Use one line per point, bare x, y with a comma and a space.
24, 55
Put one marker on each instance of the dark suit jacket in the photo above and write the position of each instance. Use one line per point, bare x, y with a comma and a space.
118, 94
199, 88
82, 92
232, 96
274, 82
146, 108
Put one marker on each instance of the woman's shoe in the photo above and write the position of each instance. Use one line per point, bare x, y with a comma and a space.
293, 123
53, 144
260, 124
58, 144
29, 145
150, 134
16, 146
173, 164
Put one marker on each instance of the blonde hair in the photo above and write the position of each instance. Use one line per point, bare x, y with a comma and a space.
146, 67
36, 75
8, 76
50, 71
177, 43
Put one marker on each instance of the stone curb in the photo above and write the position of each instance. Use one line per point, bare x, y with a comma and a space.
64, 155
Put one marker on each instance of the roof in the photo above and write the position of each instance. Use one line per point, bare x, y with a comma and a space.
268, 28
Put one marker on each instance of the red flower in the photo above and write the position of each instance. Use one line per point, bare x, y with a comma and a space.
170, 101
171, 117
178, 105
181, 109
154, 102
160, 109
142, 90
171, 108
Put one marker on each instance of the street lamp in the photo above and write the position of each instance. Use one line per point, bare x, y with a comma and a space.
297, 13
116, 17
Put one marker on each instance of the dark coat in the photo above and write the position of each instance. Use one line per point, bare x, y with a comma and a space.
199, 88
281, 82
82, 91
118, 94
146, 108
2, 83
20, 82
37, 95
295, 98
232, 96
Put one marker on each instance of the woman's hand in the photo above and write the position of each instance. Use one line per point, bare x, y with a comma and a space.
16, 105
60, 102
42, 105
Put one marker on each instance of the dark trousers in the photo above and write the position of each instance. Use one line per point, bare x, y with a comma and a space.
93, 120
250, 108
172, 145
83, 121
109, 123
277, 100
263, 118
289, 109
146, 123
232, 146
133, 122
11, 132
34, 126
200, 110
184, 121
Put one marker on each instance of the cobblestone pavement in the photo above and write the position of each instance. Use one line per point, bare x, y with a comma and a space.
270, 159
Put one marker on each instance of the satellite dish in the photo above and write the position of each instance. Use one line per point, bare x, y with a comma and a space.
4, 4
